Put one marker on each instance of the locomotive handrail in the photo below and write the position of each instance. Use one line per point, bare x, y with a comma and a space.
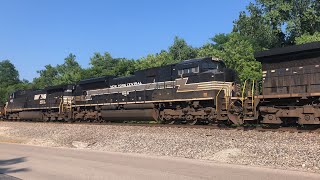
217, 99
252, 94
5, 109
61, 105
243, 90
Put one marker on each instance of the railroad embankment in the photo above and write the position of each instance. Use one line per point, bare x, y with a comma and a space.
286, 150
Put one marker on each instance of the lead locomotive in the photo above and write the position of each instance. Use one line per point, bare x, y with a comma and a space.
193, 91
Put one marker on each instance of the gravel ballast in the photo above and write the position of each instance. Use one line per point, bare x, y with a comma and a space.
300, 151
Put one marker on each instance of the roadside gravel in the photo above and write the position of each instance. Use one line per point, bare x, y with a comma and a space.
300, 151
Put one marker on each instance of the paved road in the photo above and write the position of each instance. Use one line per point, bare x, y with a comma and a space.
32, 162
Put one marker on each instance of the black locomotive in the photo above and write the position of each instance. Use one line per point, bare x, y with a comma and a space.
291, 85
193, 91
184, 92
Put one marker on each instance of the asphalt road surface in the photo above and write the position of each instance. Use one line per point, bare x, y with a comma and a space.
33, 162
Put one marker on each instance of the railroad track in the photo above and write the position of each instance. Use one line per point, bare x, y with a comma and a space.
211, 126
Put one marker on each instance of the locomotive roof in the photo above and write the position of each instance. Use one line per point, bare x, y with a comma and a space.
102, 79
288, 53
199, 59
94, 80
65, 86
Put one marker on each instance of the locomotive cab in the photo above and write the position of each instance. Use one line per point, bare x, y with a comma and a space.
202, 65
213, 66
206, 69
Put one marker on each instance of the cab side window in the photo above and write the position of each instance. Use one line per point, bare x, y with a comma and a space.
188, 70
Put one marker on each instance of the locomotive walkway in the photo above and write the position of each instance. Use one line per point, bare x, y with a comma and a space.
33, 162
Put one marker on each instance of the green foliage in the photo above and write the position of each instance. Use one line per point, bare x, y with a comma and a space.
257, 25
9, 74
276, 23
155, 60
237, 52
67, 73
219, 40
238, 55
177, 52
47, 77
209, 50
306, 38
215, 48
103, 65
9, 80
123, 67
180, 50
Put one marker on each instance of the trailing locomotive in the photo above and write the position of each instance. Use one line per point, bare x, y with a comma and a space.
192, 91
291, 85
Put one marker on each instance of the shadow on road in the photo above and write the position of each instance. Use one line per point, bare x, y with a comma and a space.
12, 162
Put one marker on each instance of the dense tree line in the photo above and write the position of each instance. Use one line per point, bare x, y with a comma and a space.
263, 25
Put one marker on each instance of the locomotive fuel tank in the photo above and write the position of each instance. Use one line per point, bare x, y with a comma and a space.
31, 115
132, 115
133, 112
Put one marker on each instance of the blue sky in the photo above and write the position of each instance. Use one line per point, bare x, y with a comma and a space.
34, 33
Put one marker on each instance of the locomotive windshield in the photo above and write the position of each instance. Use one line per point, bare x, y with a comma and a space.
209, 66
212, 65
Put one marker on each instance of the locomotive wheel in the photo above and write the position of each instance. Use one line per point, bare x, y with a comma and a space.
192, 122
174, 121
48, 119
168, 119
171, 121
69, 120
101, 120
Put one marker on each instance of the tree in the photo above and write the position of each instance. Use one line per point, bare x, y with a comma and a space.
155, 60
209, 50
48, 77
123, 67
67, 73
219, 40
237, 52
303, 18
9, 74
306, 38
214, 48
238, 55
103, 65
180, 50
9, 80
277, 23
70, 71
264, 32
